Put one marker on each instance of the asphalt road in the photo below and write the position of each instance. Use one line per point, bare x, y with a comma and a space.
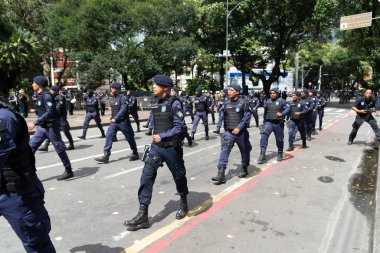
280, 207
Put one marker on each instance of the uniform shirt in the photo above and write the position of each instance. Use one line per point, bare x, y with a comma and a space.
282, 103
254, 103
11, 97
363, 104
49, 104
221, 101
123, 107
8, 130
211, 103
188, 102
132, 102
60, 104
321, 103
178, 118
69, 96
91, 102
202, 99
304, 108
312, 103
246, 117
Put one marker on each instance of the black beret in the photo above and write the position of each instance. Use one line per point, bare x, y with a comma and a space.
175, 88
116, 85
297, 93
236, 87
163, 80
275, 90
41, 80
198, 89
56, 88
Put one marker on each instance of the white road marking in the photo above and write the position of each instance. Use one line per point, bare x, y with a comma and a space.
120, 236
341, 110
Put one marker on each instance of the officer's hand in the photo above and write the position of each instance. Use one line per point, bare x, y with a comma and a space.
113, 121
297, 113
31, 126
236, 131
279, 114
156, 138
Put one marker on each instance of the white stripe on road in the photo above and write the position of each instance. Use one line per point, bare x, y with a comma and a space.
328, 109
341, 110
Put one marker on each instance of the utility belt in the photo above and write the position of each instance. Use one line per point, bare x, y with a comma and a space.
176, 141
48, 123
22, 183
91, 109
275, 121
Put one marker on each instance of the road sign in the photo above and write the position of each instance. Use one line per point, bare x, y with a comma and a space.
356, 21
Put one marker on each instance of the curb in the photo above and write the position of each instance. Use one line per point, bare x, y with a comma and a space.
376, 225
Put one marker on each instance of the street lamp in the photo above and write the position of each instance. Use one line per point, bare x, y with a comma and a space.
303, 78
228, 12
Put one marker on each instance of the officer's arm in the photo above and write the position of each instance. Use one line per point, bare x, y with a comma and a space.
221, 118
133, 101
60, 105
304, 110
178, 121
257, 104
8, 130
246, 117
285, 109
92, 102
49, 113
123, 108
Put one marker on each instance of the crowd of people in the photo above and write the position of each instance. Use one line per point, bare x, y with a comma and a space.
21, 191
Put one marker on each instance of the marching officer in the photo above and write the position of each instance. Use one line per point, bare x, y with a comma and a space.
200, 104
102, 101
119, 121
69, 97
21, 192
189, 106
223, 98
321, 104
297, 111
61, 108
308, 117
314, 114
211, 105
236, 115
254, 105
168, 120
175, 93
132, 104
275, 109
47, 125
92, 112
364, 107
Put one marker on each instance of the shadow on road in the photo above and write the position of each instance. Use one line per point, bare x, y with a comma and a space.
78, 173
98, 248
80, 147
199, 201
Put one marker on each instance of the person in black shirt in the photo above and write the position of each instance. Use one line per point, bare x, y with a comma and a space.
364, 107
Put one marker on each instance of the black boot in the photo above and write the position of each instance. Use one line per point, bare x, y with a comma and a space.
183, 209
217, 130
150, 131
141, 220
83, 136
192, 136
70, 147
291, 148
279, 156
221, 177
146, 125
308, 138
135, 156
349, 142
262, 158
103, 135
206, 130
243, 171
304, 144
104, 159
138, 129
43, 148
66, 175
189, 140
320, 128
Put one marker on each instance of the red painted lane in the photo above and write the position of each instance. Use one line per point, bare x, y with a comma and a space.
169, 239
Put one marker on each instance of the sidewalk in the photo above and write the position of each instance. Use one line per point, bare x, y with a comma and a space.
76, 120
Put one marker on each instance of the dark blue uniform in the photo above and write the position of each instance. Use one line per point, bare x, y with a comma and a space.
24, 104
188, 102
321, 104
200, 104
296, 122
369, 106
13, 104
21, 192
61, 108
254, 105
70, 106
211, 108
309, 103
48, 128
92, 112
119, 112
273, 123
235, 114
168, 124
132, 104
221, 102
314, 114
102, 101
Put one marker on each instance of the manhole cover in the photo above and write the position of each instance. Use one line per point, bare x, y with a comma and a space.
325, 179
334, 158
